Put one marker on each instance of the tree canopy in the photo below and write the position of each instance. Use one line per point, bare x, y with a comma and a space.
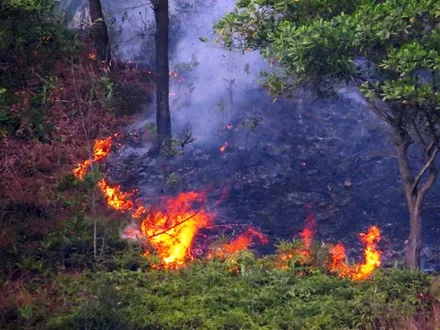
317, 39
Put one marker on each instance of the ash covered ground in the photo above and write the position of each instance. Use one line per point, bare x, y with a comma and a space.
331, 158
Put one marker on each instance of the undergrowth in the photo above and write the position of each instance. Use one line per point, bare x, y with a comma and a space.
207, 295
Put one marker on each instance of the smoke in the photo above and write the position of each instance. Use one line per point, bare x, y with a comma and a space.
220, 81
216, 80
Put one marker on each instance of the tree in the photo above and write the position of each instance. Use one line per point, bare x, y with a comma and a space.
163, 120
389, 49
99, 31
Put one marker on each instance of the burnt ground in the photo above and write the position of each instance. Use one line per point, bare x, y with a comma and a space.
331, 158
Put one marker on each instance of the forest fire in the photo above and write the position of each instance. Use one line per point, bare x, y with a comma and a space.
372, 257
171, 228
171, 231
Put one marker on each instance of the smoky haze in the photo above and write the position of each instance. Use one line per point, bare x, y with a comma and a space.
212, 89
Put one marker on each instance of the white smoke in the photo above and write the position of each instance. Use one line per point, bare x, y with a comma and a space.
211, 93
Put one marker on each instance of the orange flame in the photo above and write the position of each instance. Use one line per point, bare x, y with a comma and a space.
372, 257
223, 147
307, 233
303, 254
172, 231
243, 241
81, 169
115, 198
101, 149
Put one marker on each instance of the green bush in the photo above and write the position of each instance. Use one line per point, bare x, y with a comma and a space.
207, 295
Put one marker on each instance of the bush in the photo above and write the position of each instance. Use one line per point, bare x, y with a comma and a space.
209, 296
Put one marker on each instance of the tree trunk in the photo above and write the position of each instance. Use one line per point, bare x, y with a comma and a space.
99, 31
415, 192
414, 246
163, 119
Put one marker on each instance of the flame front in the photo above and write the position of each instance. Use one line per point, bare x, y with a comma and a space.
172, 231
372, 257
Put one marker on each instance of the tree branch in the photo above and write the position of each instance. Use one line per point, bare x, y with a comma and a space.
425, 188
428, 165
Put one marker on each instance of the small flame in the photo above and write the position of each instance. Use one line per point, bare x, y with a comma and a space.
101, 149
223, 147
172, 231
243, 241
307, 233
115, 198
372, 257
92, 56
139, 212
303, 254
81, 169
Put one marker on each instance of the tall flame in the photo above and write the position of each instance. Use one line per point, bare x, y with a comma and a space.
372, 257
172, 231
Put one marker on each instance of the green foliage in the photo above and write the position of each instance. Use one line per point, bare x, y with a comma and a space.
209, 296
30, 35
313, 40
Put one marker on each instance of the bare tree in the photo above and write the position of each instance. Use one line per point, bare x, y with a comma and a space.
99, 31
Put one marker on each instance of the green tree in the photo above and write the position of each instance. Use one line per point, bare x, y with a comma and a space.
389, 49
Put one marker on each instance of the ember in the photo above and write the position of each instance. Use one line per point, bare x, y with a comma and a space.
372, 257
223, 147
